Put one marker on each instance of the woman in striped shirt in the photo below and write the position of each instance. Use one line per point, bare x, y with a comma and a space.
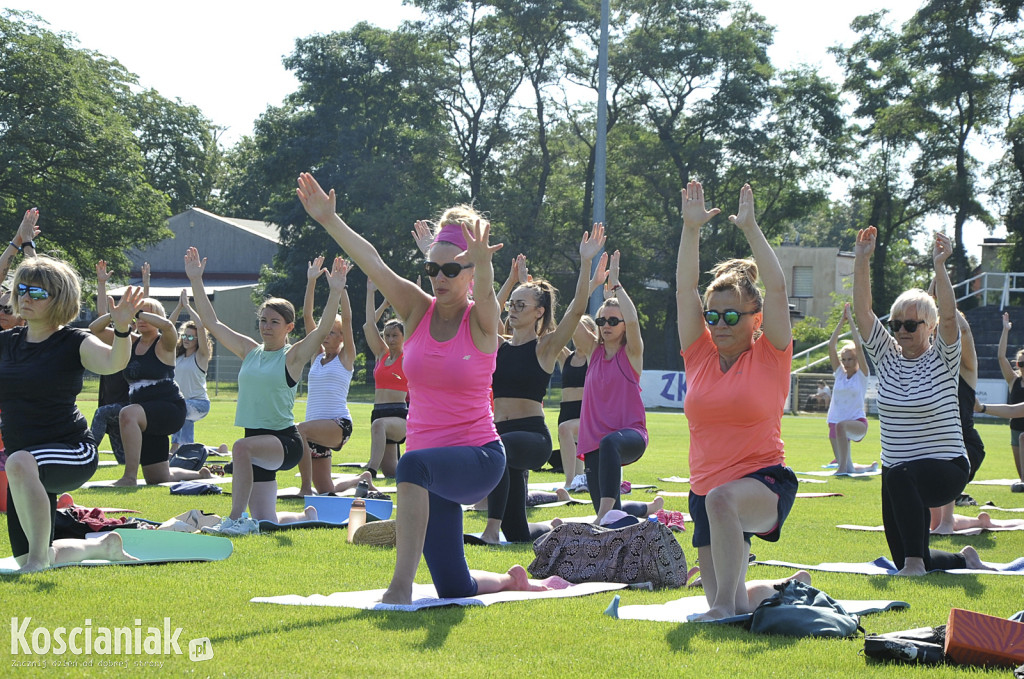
924, 462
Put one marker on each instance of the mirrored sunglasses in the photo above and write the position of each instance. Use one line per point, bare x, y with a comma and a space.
730, 316
33, 291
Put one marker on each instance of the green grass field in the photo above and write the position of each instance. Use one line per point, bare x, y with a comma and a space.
557, 638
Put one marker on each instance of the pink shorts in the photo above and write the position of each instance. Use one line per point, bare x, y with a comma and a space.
832, 429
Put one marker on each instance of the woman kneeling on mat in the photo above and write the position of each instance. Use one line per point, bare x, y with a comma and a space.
454, 455
924, 461
41, 370
738, 349
846, 418
266, 395
391, 389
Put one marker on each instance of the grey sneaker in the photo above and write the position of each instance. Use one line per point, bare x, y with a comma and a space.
244, 526
225, 527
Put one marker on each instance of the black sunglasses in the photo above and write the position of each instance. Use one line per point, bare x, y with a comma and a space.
6, 309
33, 291
730, 316
450, 270
608, 321
911, 326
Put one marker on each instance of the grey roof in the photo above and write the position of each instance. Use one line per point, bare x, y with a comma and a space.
262, 229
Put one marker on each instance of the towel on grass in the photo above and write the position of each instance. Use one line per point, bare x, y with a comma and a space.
425, 596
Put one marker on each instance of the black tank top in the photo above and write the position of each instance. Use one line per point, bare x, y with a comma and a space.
1016, 396
572, 375
517, 373
147, 366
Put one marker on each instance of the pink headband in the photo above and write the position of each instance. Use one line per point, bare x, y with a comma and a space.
452, 233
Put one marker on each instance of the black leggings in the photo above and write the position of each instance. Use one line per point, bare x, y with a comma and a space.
908, 491
527, 446
604, 468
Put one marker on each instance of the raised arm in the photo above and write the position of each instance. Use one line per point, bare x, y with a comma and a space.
102, 330
313, 271
102, 359
968, 352
858, 342
551, 345
308, 347
203, 350
168, 334
1004, 363
180, 306
422, 234
145, 278
776, 325
235, 342
22, 241
634, 339
833, 343
409, 301
862, 252
485, 313
945, 298
373, 339
689, 307
348, 349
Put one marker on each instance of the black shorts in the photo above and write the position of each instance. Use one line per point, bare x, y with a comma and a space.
62, 467
569, 410
319, 452
290, 440
390, 410
779, 479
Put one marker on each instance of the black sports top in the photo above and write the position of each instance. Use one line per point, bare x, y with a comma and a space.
517, 373
147, 366
573, 376
39, 382
1016, 396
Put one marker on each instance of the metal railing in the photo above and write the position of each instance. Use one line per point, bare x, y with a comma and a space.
998, 284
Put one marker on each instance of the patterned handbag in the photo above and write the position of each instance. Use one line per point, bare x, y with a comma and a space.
582, 552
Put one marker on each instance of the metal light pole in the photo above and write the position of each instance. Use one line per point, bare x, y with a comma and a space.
600, 154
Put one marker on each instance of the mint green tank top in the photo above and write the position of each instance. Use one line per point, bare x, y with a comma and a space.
265, 400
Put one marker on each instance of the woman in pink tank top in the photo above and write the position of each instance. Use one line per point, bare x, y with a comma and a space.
738, 348
454, 455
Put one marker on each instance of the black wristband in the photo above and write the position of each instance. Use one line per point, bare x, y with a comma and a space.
118, 333
30, 243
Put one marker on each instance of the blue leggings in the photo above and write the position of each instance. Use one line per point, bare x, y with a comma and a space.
453, 476
604, 468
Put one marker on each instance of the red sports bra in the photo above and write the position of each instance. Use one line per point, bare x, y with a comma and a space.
390, 376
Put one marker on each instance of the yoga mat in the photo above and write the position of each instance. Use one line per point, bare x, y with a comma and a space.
425, 596
107, 463
854, 475
994, 482
154, 546
672, 493
683, 479
989, 505
272, 527
681, 610
883, 566
965, 531
109, 483
475, 539
550, 486
357, 465
333, 509
293, 493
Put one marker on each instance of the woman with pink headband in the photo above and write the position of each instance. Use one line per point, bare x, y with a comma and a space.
454, 455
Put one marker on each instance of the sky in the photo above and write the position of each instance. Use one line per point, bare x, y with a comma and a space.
224, 56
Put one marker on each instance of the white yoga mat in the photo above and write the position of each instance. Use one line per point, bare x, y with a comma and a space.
987, 507
425, 596
109, 483
994, 482
683, 479
681, 610
883, 566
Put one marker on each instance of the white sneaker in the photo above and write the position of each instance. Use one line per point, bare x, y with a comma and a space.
244, 526
225, 527
579, 483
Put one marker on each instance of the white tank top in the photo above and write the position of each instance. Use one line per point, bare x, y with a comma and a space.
328, 390
847, 397
190, 377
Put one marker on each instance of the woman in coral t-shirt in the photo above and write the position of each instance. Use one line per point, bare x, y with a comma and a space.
738, 349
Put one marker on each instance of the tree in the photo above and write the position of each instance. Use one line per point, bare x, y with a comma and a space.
67, 147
